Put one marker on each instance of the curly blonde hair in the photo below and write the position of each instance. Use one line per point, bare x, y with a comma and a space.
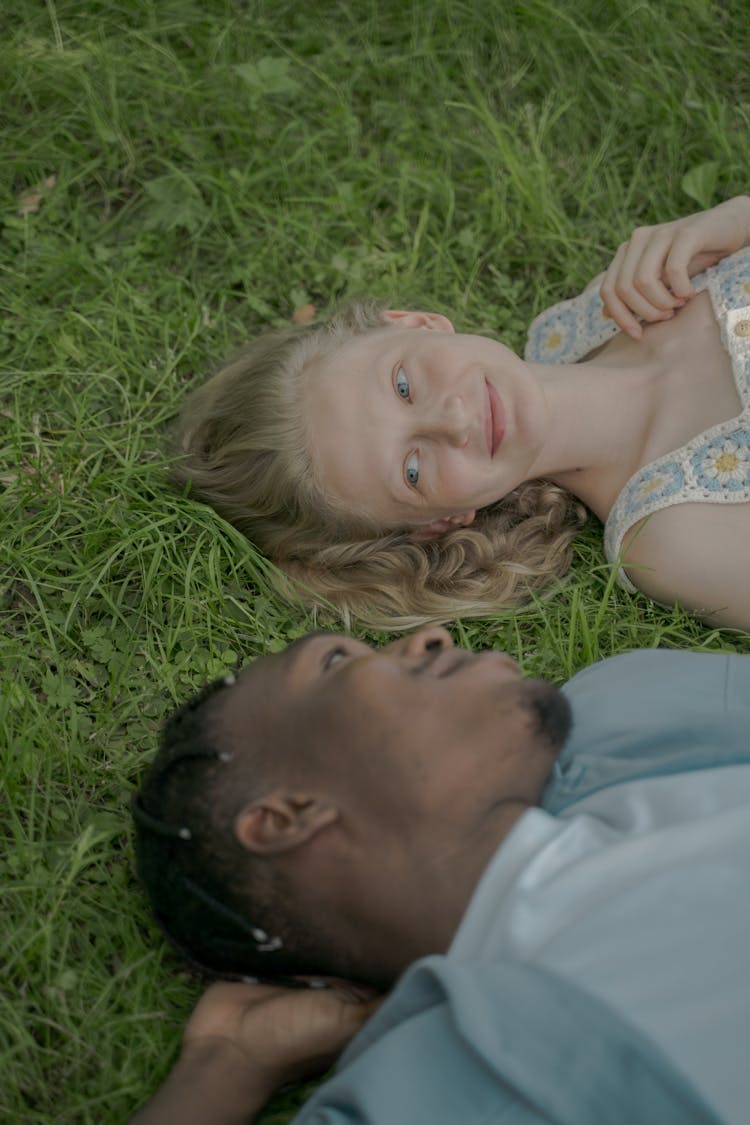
243, 448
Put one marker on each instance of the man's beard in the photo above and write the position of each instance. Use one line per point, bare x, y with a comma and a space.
551, 709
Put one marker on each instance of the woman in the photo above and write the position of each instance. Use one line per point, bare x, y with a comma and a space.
406, 473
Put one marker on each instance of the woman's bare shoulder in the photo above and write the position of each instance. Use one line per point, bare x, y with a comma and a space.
695, 554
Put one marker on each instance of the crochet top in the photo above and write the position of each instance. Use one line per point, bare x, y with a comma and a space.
714, 466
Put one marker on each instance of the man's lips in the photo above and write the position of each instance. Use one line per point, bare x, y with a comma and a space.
494, 419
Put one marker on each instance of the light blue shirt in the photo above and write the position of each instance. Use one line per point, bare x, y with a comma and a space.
600, 973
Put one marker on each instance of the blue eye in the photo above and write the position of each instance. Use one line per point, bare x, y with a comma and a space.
411, 470
402, 384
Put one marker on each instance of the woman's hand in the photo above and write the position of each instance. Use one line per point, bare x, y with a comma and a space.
244, 1041
285, 1034
650, 274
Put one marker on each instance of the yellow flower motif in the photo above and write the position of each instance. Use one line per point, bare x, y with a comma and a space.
555, 340
652, 485
726, 462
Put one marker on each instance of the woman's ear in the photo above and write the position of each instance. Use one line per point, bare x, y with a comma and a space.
405, 318
280, 821
434, 530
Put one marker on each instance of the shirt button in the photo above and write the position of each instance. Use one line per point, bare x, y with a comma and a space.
742, 328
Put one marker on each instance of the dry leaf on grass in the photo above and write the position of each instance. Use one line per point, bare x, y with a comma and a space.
30, 201
304, 314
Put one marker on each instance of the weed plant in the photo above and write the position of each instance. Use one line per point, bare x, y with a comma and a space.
176, 175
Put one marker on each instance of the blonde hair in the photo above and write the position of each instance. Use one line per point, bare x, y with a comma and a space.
243, 447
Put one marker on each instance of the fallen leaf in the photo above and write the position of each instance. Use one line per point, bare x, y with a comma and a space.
30, 201
304, 314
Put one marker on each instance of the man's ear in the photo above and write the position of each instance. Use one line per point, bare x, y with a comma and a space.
404, 318
427, 531
281, 821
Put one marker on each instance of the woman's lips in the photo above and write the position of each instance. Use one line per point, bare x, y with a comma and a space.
494, 422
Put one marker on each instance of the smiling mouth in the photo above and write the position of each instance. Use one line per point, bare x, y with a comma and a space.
494, 422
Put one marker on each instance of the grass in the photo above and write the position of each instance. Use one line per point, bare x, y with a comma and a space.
217, 164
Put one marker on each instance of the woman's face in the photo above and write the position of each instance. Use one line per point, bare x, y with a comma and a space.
417, 426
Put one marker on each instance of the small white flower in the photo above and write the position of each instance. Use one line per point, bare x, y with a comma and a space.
726, 462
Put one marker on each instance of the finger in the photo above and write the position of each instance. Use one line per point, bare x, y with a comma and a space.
614, 307
223, 1003
347, 989
318, 1023
242, 991
327, 1032
616, 310
677, 265
648, 277
650, 300
638, 283
359, 1011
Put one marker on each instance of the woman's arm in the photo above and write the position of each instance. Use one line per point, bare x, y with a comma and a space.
650, 274
244, 1041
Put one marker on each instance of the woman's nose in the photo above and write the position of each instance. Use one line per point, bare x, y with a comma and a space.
448, 421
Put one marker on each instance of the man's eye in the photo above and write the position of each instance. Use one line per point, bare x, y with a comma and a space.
411, 469
402, 384
333, 656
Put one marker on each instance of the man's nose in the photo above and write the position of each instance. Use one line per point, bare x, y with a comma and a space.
431, 638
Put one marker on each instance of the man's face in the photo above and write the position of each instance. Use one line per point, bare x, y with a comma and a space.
416, 732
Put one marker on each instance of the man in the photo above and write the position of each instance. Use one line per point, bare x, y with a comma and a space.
570, 925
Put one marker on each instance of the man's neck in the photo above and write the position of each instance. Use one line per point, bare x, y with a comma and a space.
425, 910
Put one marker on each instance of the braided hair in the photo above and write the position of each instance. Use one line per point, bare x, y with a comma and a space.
184, 852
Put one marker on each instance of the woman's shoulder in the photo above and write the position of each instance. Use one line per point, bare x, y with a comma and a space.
569, 330
693, 554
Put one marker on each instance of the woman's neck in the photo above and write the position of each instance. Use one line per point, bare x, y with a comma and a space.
600, 420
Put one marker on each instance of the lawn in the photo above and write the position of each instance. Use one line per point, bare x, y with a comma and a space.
176, 175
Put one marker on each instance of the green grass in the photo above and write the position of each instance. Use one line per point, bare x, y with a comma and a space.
216, 165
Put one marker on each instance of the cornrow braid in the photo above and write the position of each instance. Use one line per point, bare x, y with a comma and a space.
175, 861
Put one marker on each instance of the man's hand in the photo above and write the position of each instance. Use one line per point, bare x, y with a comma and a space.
244, 1041
285, 1034
650, 274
